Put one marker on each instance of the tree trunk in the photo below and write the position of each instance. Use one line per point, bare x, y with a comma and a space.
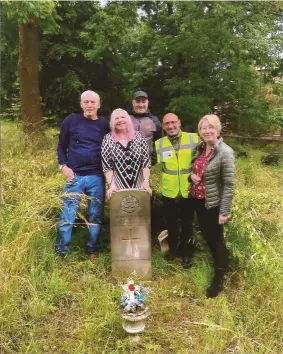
28, 75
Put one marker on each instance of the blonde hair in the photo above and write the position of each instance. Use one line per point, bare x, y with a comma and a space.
129, 124
213, 120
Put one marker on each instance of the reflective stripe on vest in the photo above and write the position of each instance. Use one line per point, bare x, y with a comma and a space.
169, 172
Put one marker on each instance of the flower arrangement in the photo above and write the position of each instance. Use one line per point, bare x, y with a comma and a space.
134, 297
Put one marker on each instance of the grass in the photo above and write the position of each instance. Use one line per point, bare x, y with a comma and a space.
52, 306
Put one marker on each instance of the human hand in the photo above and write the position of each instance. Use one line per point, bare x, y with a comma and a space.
68, 173
195, 179
222, 219
112, 189
146, 186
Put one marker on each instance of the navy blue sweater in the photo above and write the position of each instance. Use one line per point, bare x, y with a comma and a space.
80, 142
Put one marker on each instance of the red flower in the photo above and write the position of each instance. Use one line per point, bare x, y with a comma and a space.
131, 287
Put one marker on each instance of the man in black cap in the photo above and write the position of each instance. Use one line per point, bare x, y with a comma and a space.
143, 121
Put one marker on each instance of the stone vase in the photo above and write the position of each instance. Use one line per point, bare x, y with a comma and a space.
134, 323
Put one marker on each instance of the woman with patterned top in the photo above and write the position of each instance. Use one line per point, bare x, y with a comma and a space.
211, 193
125, 155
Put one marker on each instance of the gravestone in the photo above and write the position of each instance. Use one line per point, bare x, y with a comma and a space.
130, 233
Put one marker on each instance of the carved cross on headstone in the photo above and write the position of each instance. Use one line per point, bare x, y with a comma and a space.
130, 238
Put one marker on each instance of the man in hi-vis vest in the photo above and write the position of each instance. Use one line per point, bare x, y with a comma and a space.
174, 152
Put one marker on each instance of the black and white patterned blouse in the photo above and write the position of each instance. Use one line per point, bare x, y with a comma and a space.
126, 163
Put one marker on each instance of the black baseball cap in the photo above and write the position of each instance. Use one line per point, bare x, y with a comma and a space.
139, 94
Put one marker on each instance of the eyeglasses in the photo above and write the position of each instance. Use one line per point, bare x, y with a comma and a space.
173, 122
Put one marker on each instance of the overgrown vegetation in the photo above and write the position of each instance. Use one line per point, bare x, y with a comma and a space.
52, 306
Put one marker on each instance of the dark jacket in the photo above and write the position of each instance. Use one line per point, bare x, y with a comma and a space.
148, 125
80, 142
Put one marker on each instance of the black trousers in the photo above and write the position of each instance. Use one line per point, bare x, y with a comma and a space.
211, 230
178, 216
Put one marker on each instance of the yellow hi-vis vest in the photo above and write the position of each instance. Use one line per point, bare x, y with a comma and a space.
176, 168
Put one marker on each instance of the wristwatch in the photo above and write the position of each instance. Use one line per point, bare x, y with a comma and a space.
61, 166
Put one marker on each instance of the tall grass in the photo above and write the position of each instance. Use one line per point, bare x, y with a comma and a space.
52, 306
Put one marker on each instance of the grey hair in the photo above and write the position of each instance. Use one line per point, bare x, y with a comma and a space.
92, 92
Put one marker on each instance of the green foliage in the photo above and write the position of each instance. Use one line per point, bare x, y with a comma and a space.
90, 45
21, 11
214, 70
9, 55
191, 57
14, 12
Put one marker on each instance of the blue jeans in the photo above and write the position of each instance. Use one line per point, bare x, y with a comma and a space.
93, 187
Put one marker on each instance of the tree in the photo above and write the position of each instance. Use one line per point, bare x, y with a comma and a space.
191, 57
27, 15
28, 76
89, 51
205, 56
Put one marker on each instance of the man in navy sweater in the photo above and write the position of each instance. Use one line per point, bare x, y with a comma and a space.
79, 157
